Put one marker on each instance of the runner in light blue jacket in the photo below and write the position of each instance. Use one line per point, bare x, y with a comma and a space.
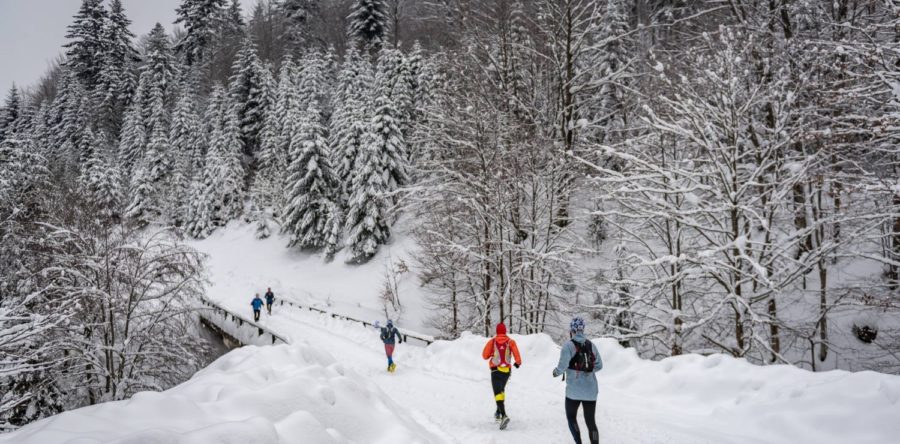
579, 360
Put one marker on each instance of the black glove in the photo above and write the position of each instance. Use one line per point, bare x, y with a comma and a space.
516, 365
555, 373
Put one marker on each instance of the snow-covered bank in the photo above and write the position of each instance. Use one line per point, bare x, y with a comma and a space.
280, 394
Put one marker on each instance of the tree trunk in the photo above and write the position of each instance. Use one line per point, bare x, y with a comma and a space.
894, 270
774, 340
823, 308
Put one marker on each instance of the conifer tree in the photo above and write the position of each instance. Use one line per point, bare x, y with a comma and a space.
10, 113
68, 119
289, 107
310, 215
232, 173
380, 169
368, 24
199, 223
350, 120
248, 92
153, 174
160, 68
116, 80
88, 43
386, 126
217, 194
101, 180
368, 221
200, 20
267, 182
134, 132
394, 80
184, 135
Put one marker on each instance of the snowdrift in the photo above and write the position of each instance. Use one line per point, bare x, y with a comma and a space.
299, 393
260, 395
717, 398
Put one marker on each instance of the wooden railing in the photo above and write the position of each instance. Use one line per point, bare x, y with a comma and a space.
427, 340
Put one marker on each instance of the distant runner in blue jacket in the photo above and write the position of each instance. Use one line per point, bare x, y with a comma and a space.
579, 360
257, 304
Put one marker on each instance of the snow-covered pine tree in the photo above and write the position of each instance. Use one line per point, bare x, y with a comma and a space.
350, 120
232, 174
153, 176
117, 79
199, 18
199, 223
312, 81
202, 204
368, 220
160, 68
217, 194
68, 119
248, 92
142, 210
266, 186
381, 168
134, 131
393, 79
386, 125
10, 112
368, 24
290, 105
88, 42
184, 136
272, 161
310, 217
101, 180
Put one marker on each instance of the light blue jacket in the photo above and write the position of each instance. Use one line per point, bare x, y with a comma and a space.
580, 386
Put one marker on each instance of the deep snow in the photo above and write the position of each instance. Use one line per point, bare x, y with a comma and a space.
329, 385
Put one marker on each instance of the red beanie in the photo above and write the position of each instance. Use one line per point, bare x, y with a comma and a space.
501, 329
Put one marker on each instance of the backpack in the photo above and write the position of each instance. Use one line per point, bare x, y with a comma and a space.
385, 333
584, 358
501, 354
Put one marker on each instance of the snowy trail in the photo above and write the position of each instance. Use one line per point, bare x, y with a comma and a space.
450, 394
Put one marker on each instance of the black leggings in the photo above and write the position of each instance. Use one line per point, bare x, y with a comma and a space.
590, 407
498, 383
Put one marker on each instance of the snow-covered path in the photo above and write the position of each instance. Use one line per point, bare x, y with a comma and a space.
449, 392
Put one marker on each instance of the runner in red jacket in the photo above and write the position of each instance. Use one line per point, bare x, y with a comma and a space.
500, 352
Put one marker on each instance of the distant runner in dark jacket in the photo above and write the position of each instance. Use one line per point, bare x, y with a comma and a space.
390, 336
270, 299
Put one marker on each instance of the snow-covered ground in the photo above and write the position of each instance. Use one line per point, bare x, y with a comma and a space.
329, 384
241, 265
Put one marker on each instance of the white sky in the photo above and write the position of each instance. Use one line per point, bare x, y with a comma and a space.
32, 33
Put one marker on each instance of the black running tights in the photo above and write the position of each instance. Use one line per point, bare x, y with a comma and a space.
590, 408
